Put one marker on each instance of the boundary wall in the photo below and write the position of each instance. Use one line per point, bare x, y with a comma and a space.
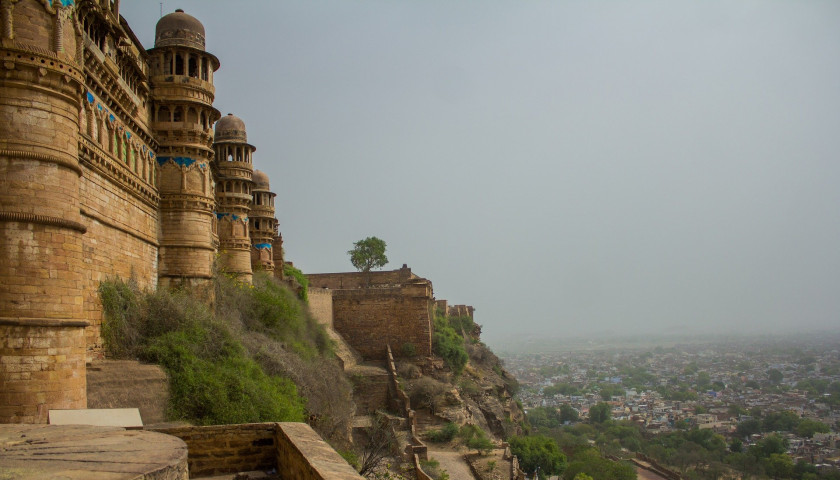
294, 450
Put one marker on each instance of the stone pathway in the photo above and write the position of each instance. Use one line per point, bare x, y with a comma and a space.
453, 462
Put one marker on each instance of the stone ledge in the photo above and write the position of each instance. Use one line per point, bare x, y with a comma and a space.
42, 322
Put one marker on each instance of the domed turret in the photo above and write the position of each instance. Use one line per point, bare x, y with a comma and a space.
261, 181
179, 29
231, 129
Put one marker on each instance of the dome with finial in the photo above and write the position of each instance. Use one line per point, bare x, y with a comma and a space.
231, 129
260, 180
179, 29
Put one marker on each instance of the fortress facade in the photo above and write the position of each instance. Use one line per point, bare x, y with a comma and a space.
113, 162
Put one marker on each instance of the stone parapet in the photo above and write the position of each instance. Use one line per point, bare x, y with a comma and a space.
293, 449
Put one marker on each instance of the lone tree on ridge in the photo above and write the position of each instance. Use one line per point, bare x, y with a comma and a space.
368, 253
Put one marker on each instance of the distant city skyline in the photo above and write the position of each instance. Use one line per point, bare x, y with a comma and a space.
567, 168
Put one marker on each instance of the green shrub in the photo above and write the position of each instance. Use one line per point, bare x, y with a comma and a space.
213, 379
426, 392
224, 388
449, 345
409, 350
461, 324
445, 434
474, 437
433, 469
121, 307
301, 279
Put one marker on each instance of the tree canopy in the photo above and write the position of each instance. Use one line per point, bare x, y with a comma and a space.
368, 253
600, 413
538, 453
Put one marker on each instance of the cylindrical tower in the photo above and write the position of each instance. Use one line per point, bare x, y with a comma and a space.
263, 225
41, 328
235, 167
182, 91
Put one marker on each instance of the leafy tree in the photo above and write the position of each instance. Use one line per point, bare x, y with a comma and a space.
736, 446
600, 412
544, 417
775, 376
769, 445
748, 427
568, 414
368, 253
589, 462
607, 391
703, 380
808, 427
779, 465
784, 421
538, 453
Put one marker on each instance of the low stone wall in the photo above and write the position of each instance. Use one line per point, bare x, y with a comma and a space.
303, 455
295, 450
647, 463
418, 471
218, 449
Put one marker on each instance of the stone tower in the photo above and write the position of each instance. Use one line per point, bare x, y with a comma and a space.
42, 342
235, 167
181, 78
263, 225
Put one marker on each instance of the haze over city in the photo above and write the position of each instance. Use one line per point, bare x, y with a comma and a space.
568, 168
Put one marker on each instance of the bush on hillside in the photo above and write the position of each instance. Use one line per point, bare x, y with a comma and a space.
449, 345
253, 360
301, 279
426, 392
444, 434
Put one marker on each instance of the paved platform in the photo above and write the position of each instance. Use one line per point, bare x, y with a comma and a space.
78, 452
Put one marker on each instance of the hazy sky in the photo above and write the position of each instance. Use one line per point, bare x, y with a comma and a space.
566, 167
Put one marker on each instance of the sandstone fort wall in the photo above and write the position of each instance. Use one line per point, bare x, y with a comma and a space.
348, 280
321, 305
371, 318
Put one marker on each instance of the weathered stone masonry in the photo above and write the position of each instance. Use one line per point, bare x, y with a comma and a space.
374, 309
108, 168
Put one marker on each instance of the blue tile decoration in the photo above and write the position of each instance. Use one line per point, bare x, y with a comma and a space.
261, 246
66, 3
180, 161
89, 97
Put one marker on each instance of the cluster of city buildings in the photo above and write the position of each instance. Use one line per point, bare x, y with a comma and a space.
708, 387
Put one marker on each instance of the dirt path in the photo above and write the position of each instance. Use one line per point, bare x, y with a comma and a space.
453, 462
647, 474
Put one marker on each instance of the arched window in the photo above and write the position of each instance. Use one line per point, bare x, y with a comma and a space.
192, 115
203, 120
204, 66
164, 115
178, 114
192, 69
179, 64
